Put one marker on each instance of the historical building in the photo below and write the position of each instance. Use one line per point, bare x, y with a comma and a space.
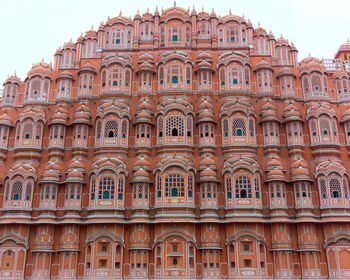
176, 145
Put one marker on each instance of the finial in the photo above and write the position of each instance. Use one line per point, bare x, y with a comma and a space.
174, 155
108, 18
174, 3
230, 12
309, 54
347, 40
157, 8
259, 23
120, 13
109, 156
138, 11
92, 27
203, 9
147, 10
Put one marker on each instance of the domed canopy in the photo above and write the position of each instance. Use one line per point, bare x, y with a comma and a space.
206, 116
41, 69
5, 119
13, 80
275, 175
75, 176
263, 64
268, 113
291, 113
87, 67
141, 175
82, 115
142, 163
208, 175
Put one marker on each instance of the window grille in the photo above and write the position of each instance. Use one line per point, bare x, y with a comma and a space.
335, 188
28, 193
238, 127
16, 191
111, 129
229, 187
323, 188
243, 187
226, 133
124, 128
120, 187
174, 126
106, 188
174, 186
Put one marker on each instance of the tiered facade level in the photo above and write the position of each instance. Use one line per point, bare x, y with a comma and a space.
176, 145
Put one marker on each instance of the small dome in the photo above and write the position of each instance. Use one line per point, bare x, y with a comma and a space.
87, 67
340, 73
268, 112
295, 164
13, 79
291, 113
275, 175
144, 117
260, 31
205, 104
300, 174
75, 176
263, 64
206, 116
75, 164
207, 175
141, 175
69, 45
59, 117
282, 41
285, 71
5, 119
82, 115
142, 162
41, 69
144, 105
346, 115
213, 14
207, 161
91, 34
51, 175
274, 163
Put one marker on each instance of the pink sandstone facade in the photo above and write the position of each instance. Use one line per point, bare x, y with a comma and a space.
177, 145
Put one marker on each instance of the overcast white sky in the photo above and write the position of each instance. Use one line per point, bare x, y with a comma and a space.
33, 29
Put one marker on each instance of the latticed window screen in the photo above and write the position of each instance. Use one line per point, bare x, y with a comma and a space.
174, 186
28, 193
124, 128
238, 127
120, 187
229, 187
323, 187
324, 126
160, 127
243, 187
111, 129
98, 129
39, 128
16, 193
225, 125
27, 131
159, 186
345, 188
106, 188
257, 187
190, 185
175, 126
189, 126
313, 127
7, 190
251, 128
335, 188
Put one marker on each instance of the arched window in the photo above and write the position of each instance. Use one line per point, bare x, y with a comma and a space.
106, 188
174, 126
238, 127
111, 129
335, 188
28, 130
160, 127
316, 83
98, 129
124, 129
17, 189
159, 186
324, 126
251, 128
174, 186
243, 187
189, 126
225, 128
174, 79
120, 187
229, 188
